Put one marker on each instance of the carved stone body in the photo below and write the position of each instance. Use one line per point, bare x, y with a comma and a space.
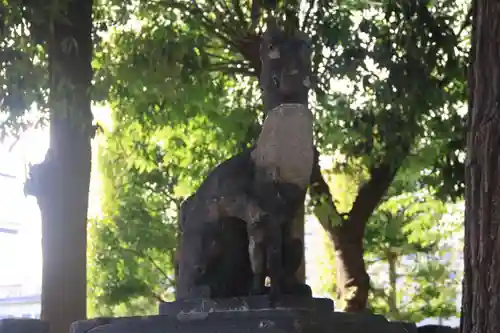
262, 188
436, 329
222, 194
213, 257
285, 145
284, 152
220, 264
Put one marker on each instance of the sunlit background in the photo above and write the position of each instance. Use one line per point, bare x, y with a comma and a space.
20, 229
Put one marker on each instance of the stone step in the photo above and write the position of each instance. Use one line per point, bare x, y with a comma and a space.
22, 325
246, 304
244, 315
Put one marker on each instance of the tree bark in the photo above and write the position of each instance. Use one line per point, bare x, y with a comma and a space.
61, 181
481, 285
392, 300
346, 234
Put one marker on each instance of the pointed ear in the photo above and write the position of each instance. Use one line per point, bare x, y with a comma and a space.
272, 29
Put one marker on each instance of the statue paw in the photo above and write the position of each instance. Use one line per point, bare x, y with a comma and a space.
201, 291
298, 289
275, 292
260, 290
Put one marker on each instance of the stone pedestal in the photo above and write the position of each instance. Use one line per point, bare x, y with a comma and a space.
244, 315
14, 325
254, 303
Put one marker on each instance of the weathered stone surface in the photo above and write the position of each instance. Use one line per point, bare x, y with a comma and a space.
286, 144
220, 322
251, 314
343, 322
262, 321
283, 154
286, 66
402, 326
84, 326
283, 157
436, 329
216, 213
214, 244
322, 305
15, 325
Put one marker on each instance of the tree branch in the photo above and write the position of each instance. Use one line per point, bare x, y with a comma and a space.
322, 200
152, 261
157, 297
232, 70
238, 11
213, 25
249, 47
197, 14
379, 292
307, 17
234, 28
141, 254
371, 192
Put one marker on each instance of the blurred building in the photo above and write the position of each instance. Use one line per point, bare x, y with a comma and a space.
20, 252
16, 303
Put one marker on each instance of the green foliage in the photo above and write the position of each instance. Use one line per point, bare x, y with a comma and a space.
411, 261
344, 187
402, 78
24, 75
168, 132
131, 248
412, 235
389, 83
181, 83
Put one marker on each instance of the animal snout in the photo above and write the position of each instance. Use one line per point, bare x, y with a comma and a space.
199, 269
291, 81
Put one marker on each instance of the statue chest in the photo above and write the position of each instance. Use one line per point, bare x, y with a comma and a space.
285, 144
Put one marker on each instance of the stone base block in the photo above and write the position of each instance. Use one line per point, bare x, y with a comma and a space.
14, 325
403, 326
264, 321
246, 304
244, 315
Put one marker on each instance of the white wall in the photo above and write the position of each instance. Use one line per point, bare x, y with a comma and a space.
25, 307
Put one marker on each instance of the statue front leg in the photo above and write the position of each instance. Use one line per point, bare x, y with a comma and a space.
257, 255
274, 255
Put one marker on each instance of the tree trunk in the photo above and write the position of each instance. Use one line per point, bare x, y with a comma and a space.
61, 181
392, 300
481, 286
353, 282
346, 234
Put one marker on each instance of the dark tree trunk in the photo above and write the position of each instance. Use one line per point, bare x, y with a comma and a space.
481, 286
346, 234
61, 181
353, 282
392, 300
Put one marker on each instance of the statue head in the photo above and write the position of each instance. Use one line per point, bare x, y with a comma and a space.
286, 66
